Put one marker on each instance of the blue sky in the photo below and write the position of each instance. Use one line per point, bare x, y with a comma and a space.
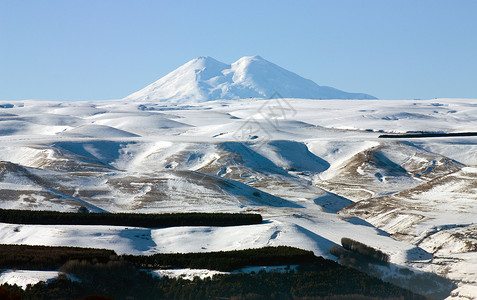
107, 49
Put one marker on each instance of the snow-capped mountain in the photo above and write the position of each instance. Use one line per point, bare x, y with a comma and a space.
205, 79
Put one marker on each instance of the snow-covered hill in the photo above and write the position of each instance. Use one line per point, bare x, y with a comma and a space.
205, 79
317, 171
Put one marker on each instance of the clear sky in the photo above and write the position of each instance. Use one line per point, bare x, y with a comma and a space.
107, 49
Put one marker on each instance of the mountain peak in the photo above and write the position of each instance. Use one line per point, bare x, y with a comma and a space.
205, 59
205, 79
251, 58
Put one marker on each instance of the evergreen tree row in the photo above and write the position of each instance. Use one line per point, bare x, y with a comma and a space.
52, 258
225, 260
369, 252
102, 272
127, 219
48, 258
121, 281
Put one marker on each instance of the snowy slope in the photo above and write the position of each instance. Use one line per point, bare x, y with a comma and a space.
316, 170
205, 79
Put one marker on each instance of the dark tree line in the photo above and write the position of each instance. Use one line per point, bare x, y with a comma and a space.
127, 219
119, 280
102, 272
369, 252
52, 258
226, 260
48, 258
358, 255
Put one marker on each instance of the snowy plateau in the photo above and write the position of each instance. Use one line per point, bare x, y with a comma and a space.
211, 137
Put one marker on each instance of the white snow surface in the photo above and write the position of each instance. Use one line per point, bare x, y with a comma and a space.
187, 274
190, 274
315, 169
22, 278
206, 79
